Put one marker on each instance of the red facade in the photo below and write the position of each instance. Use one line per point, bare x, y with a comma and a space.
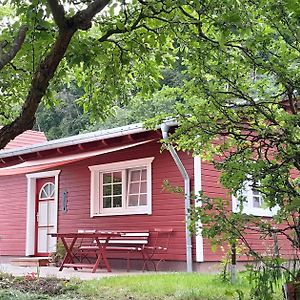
74, 180
167, 208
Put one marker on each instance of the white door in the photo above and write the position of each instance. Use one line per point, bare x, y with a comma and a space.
45, 216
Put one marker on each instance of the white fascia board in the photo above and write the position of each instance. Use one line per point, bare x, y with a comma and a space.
80, 139
75, 140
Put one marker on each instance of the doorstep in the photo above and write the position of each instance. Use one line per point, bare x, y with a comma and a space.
31, 261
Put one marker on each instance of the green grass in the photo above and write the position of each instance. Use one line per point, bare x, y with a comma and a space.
166, 286
171, 286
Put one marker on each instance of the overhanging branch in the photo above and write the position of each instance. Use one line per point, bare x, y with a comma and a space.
7, 57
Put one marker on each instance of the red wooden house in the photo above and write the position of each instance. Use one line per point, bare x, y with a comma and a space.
110, 179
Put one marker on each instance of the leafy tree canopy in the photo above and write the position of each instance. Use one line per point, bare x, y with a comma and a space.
240, 106
243, 63
67, 116
111, 49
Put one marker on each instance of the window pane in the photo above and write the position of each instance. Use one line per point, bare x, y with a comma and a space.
107, 190
134, 188
135, 175
133, 200
144, 174
106, 202
256, 201
243, 201
117, 189
143, 199
47, 189
43, 194
107, 178
144, 187
52, 190
117, 176
117, 201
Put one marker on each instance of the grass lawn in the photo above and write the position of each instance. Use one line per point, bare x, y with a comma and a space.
175, 286
165, 286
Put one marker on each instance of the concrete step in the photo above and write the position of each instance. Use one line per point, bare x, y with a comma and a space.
31, 261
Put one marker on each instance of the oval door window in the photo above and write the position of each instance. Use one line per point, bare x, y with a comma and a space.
47, 191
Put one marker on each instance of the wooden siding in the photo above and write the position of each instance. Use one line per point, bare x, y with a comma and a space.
13, 200
167, 208
211, 187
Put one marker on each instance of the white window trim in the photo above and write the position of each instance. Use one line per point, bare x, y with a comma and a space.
95, 208
250, 209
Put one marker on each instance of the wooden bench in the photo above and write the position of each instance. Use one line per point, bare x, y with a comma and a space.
129, 242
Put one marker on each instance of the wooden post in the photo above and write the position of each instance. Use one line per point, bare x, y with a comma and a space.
233, 264
276, 247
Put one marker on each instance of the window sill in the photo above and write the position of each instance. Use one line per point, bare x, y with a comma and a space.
125, 213
259, 212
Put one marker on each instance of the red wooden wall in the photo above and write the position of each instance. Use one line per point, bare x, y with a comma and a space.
167, 208
13, 201
211, 187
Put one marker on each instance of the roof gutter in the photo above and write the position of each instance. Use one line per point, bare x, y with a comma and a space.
79, 139
187, 193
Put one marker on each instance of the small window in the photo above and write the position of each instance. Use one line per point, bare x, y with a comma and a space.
121, 188
253, 202
47, 191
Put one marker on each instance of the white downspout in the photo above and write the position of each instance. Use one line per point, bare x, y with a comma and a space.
187, 192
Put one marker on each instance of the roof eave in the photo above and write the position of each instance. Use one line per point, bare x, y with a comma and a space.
75, 140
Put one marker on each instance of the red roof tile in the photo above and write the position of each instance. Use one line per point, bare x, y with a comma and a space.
27, 138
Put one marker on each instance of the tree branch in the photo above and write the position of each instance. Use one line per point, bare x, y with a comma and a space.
5, 58
83, 19
124, 30
47, 67
58, 13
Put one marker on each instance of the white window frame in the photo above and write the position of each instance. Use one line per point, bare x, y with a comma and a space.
96, 202
248, 207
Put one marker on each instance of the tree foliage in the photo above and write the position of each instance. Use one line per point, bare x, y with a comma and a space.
109, 48
64, 118
240, 111
241, 104
246, 89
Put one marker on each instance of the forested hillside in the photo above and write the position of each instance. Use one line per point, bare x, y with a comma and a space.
68, 117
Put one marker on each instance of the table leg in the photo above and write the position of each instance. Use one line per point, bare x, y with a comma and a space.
69, 256
101, 253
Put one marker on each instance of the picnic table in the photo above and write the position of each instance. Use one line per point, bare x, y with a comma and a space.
100, 239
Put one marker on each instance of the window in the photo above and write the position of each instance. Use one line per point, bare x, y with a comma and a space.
121, 188
47, 191
253, 202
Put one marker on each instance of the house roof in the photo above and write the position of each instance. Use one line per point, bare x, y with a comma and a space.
75, 140
27, 138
